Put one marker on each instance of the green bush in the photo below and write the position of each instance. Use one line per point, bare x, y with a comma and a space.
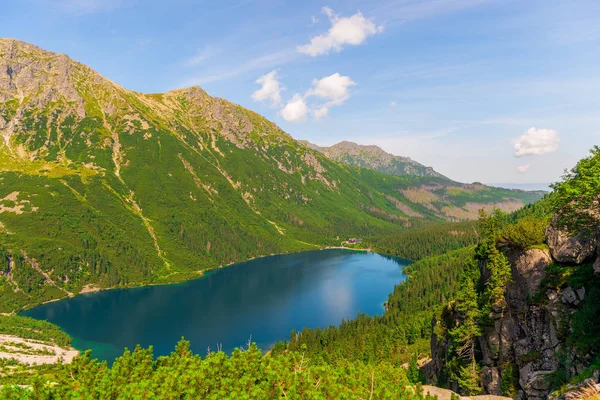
525, 234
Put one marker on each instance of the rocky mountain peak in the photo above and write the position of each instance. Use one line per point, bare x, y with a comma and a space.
31, 77
374, 157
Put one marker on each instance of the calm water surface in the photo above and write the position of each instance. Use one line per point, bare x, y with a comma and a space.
264, 298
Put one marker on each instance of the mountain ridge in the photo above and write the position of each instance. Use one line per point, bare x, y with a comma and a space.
373, 157
107, 187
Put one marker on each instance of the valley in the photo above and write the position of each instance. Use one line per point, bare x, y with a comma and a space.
107, 187
103, 188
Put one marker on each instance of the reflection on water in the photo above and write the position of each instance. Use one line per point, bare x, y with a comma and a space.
264, 298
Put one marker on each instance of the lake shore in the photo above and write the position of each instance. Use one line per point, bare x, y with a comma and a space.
285, 292
93, 288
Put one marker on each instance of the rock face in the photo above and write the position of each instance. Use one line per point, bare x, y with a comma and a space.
528, 270
529, 331
570, 249
523, 334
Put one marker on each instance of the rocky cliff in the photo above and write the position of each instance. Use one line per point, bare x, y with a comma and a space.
529, 340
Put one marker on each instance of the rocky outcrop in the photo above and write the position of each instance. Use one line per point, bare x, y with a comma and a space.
524, 334
528, 269
529, 330
570, 249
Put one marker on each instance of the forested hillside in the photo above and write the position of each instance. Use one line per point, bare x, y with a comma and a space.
104, 187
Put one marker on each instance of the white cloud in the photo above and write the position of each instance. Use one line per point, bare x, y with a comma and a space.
328, 11
270, 89
334, 88
314, 20
352, 30
295, 110
523, 168
536, 142
393, 104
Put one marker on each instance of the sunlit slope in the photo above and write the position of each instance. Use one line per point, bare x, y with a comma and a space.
101, 186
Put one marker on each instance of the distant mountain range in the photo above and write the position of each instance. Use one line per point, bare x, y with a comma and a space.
374, 157
101, 186
523, 186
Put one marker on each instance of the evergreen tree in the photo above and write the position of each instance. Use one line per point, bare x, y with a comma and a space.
465, 334
469, 380
413, 370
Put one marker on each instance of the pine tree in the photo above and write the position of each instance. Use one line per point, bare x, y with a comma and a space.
468, 310
468, 379
413, 370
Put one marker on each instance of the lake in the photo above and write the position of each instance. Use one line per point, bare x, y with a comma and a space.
263, 299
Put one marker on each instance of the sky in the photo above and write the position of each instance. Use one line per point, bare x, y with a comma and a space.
492, 91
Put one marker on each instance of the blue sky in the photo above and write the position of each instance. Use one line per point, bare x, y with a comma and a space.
482, 90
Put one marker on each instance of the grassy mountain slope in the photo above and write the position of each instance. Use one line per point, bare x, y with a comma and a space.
103, 187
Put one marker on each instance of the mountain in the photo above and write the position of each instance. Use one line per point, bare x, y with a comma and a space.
101, 186
373, 157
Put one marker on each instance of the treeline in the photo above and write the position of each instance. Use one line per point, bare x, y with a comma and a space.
246, 374
429, 240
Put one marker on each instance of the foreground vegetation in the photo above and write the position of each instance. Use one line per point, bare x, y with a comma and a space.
246, 374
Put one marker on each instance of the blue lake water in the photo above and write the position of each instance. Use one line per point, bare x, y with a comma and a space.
263, 299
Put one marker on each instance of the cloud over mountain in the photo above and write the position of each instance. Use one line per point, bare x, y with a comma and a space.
295, 110
270, 89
